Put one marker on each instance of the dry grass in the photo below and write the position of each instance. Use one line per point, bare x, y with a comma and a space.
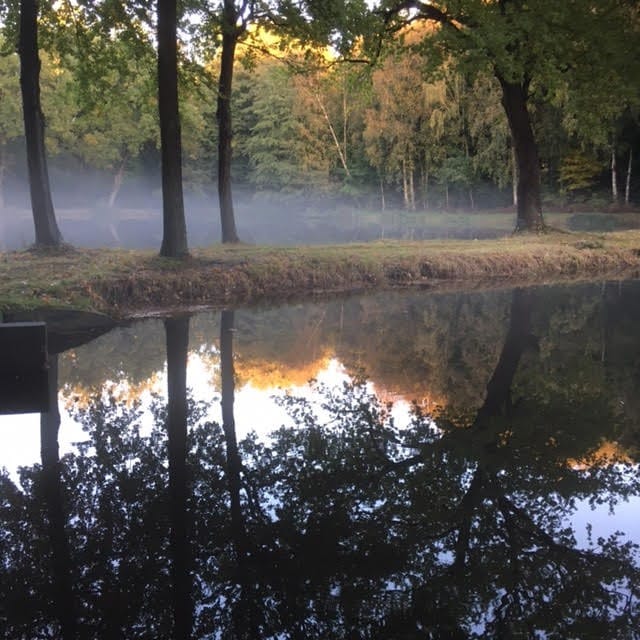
123, 283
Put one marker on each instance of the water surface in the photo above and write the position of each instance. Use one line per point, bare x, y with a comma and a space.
461, 465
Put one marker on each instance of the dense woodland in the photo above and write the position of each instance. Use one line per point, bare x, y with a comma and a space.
437, 106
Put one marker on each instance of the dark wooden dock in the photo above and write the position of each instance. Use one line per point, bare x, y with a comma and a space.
23, 367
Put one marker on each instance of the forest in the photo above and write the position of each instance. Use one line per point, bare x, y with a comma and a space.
417, 106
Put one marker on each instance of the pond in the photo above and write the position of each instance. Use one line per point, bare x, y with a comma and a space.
399, 465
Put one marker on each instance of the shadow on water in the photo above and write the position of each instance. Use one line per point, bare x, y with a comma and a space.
349, 524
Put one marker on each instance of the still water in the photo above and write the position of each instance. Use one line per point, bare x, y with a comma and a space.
400, 465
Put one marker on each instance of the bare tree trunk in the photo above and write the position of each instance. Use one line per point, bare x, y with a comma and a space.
405, 184
117, 183
342, 152
3, 168
412, 191
230, 34
383, 202
529, 207
345, 125
174, 238
47, 232
514, 176
614, 176
627, 186
425, 188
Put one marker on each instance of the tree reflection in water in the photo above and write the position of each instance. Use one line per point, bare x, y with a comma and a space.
177, 338
345, 527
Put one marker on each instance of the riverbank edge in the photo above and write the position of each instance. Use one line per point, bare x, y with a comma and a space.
123, 283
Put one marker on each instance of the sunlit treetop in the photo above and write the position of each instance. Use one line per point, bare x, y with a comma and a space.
522, 40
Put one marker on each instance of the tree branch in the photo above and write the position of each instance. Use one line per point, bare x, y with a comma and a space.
425, 11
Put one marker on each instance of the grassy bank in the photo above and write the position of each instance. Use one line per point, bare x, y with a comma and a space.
124, 283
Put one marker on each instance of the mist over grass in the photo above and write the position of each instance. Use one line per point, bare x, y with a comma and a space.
264, 218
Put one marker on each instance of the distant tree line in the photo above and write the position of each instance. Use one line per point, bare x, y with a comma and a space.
423, 105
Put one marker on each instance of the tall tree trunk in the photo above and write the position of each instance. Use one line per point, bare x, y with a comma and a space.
62, 587
3, 169
47, 232
412, 190
177, 338
405, 184
425, 188
614, 176
341, 148
627, 186
174, 228
383, 201
345, 123
514, 176
117, 183
230, 34
529, 207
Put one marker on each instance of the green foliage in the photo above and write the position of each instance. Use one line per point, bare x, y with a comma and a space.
456, 170
280, 153
425, 113
579, 171
10, 105
541, 46
489, 131
11, 124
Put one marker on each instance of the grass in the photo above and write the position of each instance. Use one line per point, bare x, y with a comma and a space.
124, 283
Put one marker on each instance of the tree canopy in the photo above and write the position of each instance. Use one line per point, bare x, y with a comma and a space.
408, 105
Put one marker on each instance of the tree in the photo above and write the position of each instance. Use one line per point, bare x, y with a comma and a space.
47, 232
528, 47
489, 130
396, 122
311, 21
174, 238
233, 25
323, 103
114, 131
273, 137
108, 39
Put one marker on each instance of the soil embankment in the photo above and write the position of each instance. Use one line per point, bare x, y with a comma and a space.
125, 283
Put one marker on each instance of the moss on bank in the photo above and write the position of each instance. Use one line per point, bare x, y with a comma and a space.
123, 283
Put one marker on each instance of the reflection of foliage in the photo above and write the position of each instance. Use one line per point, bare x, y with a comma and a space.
433, 347
135, 352
457, 524
355, 527
444, 520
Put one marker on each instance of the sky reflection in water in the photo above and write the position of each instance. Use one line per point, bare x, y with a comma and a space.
351, 521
